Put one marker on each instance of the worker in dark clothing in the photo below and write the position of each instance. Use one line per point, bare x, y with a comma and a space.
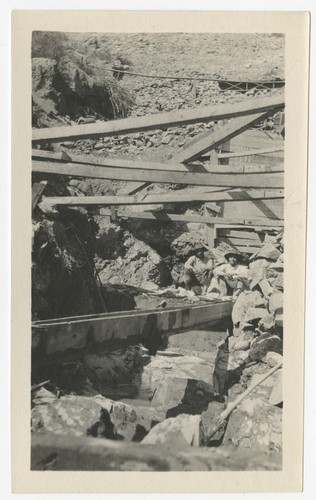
198, 271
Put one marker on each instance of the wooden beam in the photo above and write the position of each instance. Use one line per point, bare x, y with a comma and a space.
241, 241
251, 152
162, 216
247, 169
257, 226
239, 233
271, 180
211, 140
209, 235
155, 216
50, 155
108, 200
249, 195
91, 160
247, 249
158, 120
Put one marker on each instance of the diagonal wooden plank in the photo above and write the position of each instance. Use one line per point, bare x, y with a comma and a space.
210, 140
271, 180
150, 122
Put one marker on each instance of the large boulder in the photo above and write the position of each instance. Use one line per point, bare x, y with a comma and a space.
185, 367
95, 416
115, 374
176, 433
228, 367
276, 307
121, 421
255, 424
264, 343
247, 301
68, 415
174, 396
209, 419
267, 251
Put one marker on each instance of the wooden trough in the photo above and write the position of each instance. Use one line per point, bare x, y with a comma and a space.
56, 340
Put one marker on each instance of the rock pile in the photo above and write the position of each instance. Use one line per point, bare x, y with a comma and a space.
255, 346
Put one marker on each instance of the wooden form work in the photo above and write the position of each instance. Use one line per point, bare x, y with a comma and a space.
223, 183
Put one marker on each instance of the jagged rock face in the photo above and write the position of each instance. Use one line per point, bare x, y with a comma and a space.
110, 242
43, 74
61, 277
138, 264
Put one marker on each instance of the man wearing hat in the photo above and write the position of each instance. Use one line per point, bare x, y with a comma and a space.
197, 271
229, 278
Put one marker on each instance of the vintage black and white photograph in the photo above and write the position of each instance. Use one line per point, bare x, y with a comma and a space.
157, 251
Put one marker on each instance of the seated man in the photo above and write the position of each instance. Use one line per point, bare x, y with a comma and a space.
229, 278
198, 271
